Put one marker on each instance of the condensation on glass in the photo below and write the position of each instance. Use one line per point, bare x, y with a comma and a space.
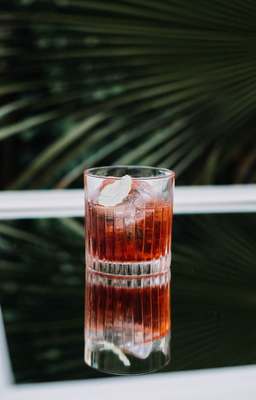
128, 256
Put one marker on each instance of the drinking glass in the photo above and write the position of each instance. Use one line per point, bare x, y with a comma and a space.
128, 218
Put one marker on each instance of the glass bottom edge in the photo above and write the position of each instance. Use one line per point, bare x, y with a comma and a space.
127, 373
109, 362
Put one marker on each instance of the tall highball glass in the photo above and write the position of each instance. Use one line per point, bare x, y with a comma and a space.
128, 219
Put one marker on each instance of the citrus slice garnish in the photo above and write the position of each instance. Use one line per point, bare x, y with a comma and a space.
114, 193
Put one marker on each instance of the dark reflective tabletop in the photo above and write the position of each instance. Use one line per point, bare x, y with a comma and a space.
213, 295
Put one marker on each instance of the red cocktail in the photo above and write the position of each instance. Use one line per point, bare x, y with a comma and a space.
128, 242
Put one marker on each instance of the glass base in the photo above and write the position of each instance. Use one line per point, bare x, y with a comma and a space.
141, 359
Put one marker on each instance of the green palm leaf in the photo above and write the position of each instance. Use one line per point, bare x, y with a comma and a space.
126, 63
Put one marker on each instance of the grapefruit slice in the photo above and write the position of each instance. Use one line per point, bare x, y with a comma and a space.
114, 193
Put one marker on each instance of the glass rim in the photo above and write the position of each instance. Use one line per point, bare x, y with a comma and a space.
167, 173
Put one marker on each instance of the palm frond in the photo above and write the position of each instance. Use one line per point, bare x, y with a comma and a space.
125, 63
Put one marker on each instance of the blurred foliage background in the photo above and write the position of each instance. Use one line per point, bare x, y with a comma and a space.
93, 82
167, 83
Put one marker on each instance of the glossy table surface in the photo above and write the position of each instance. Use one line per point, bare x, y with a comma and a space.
213, 294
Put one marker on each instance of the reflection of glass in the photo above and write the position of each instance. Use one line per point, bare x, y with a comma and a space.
128, 240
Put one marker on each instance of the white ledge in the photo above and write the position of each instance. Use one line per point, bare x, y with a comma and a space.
70, 203
236, 383
6, 377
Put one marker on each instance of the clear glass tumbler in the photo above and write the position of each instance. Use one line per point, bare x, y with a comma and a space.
128, 215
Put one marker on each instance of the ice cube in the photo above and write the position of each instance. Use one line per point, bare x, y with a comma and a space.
142, 195
139, 350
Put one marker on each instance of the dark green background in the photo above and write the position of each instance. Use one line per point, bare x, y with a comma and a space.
92, 82
167, 83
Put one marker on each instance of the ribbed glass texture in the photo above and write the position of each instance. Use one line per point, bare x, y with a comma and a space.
128, 254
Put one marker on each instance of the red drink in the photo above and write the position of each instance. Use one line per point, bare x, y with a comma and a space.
115, 235
139, 307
